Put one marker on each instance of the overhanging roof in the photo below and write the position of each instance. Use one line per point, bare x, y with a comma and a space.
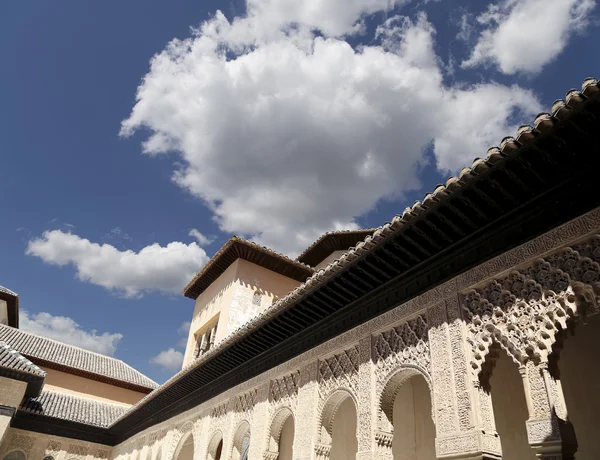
543, 178
12, 302
239, 248
330, 242
14, 365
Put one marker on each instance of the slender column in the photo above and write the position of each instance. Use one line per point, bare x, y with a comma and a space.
550, 434
259, 430
307, 415
462, 410
204, 343
367, 403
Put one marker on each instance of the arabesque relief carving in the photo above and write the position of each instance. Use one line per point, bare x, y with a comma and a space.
525, 310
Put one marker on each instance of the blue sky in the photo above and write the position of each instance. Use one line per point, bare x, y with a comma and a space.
274, 119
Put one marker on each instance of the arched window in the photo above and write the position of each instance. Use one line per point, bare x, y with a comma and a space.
15, 455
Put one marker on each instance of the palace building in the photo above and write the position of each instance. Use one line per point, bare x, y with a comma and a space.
464, 328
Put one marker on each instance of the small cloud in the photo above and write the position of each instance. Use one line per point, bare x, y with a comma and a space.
65, 329
154, 268
201, 238
170, 359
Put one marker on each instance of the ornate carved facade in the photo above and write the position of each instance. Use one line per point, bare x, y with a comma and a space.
402, 347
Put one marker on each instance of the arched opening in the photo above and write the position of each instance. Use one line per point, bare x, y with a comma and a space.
241, 442
500, 377
414, 430
185, 449
215, 447
15, 455
344, 444
580, 380
281, 438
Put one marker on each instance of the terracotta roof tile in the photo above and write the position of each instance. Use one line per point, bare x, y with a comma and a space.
73, 359
12, 359
76, 409
239, 248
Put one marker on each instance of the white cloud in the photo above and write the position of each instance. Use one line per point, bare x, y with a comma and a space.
525, 35
292, 135
153, 268
202, 239
170, 359
66, 330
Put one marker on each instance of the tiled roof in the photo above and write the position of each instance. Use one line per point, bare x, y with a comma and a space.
75, 409
332, 241
14, 365
68, 358
7, 291
239, 248
543, 124
12, 359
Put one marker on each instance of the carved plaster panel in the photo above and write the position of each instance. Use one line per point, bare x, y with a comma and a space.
448, 292
525, 309
339, 371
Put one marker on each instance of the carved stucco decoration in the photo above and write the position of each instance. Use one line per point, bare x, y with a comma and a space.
245, 402
53, 449
525, 310
20, 442
339, 371
276, 425
284, 391
338, 380
399, 354
178, 438
218, 415
77, 451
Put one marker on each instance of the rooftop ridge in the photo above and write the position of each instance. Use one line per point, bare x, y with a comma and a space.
197, 285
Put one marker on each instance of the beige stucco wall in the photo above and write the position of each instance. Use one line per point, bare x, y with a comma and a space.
11, 392
414, 431
250, 278
286, 441
330, 258
91, 389
229, 299
344, 445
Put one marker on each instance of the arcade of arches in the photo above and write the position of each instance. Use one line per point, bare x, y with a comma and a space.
500, 362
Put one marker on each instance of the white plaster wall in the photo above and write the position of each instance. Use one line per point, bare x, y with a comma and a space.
286, 441
330, 258
414, 431
212, 302
510, 410
249, 279
344, 443
580, 378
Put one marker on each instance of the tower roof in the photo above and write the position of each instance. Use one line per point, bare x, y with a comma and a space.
239, 248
